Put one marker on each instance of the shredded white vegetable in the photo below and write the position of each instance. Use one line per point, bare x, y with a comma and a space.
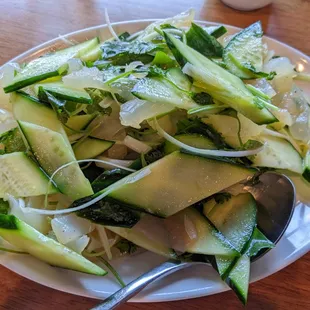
107, 19
104, 240
109, 163
198, 151
136, 145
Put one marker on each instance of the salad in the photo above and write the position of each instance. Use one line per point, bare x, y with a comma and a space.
145, 142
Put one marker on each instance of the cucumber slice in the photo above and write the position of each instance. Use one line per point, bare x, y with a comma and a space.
247, 48
159, 90
220, 84
51, 151
235, 218
26, 238
91, 148
258, 242
179, 78
215, 31
92, 55
78, 122
306, 172
60, 91
28, 109
239, 277
194, 140
21, 177
49, 65
278, 153
190, 232
141, 235
177, 181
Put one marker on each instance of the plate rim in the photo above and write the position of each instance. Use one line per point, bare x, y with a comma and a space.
85, 292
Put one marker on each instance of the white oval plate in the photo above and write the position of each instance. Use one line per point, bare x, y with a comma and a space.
193, 282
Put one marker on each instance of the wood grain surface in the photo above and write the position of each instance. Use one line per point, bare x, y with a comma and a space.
26, 23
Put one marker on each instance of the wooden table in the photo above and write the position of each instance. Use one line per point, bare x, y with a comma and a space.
24, 24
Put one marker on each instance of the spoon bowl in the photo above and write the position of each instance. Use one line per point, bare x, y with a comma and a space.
275, 197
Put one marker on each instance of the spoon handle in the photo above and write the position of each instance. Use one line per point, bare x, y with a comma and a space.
140, 283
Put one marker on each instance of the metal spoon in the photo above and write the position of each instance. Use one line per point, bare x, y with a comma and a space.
275, 197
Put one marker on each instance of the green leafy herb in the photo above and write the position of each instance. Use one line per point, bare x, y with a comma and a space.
155, 71
12, 141
149, 157
97, 96
108, 212
204, 43
221, 197
126, 246
122, 53
59, 107
203, 98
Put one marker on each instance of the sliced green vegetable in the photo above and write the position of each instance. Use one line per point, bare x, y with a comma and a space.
235, 218
50, 65
27, 109
21, 177
201, 41
278, 153
91, 148
52, 152
179, 78
162, 59
190, 232
92, 55
122, 53
221, 84
60, 91
258, 242
77, 123
216, 31
159, 90
177, 190
239, 277
26, 238
306, 172
247, 49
